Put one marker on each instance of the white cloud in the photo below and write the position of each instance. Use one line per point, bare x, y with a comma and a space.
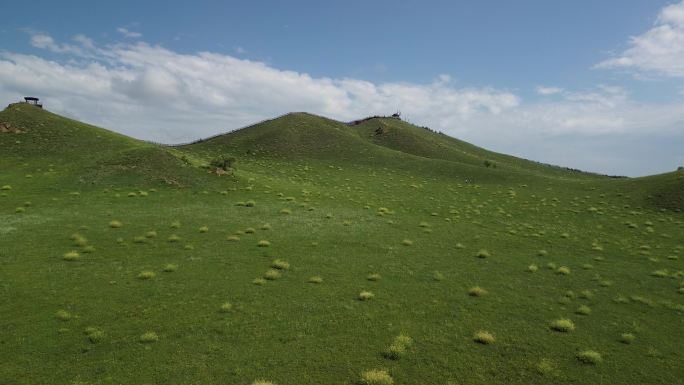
543, 90
127, 33
153, 93
659, 50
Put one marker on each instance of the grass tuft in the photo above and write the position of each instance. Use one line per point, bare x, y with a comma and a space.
583, 310
233, 238
259, 281
272, 274
149, 337
477, 291
62, 315
373, 277
563, 270
280, 264
226, 307
532, 268
563, 325
483, 254
71, 256
376, 377
589, 357
115, 224
365, 295
315, 279
484, 337
263, 243
170, 267
627, 338
173, 238
407, 242
146, 274
203, 229
263, 382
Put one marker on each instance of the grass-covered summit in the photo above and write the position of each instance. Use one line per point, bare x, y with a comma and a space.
377, 253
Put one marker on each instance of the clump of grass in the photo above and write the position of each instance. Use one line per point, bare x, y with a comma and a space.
484, 337
438, 276
272, 274
139, 239
233, 238
79, 240
483, 254
250, 230
365, 295
62, 315
259, 281
266, 226
583, 310
203, 229
477, 291
316, 279
545, 366
149, 337
19, 210
263, 243
173, 238
250, 203
563, 270
6, 187
88, 249
563, 325
151, 234
394, 351
71, 256
398, 347
532, 268
587, 266
373, 277
286, 211
663, 273
542, 253
586, 294
226, 307
115, 224
94, 335
263, 382
551, 266
376, 377
627, 338
147, 274
589, 357
280, 264
170, 267
175, 225
407, 242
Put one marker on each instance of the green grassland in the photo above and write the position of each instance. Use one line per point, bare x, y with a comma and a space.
332, 254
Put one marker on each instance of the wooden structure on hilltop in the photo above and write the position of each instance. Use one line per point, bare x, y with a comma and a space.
33, 101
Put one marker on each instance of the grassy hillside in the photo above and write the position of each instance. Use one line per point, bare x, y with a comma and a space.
329, 253
84, 155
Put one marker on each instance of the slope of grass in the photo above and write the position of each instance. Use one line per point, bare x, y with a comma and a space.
163, 290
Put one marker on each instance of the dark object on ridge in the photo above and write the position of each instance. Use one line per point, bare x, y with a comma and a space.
33, 101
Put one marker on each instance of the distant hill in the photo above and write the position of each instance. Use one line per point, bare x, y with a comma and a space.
97, 156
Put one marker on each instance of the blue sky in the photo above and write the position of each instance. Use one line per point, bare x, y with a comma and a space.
596, 85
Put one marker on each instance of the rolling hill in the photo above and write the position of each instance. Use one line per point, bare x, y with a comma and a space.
373, 253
